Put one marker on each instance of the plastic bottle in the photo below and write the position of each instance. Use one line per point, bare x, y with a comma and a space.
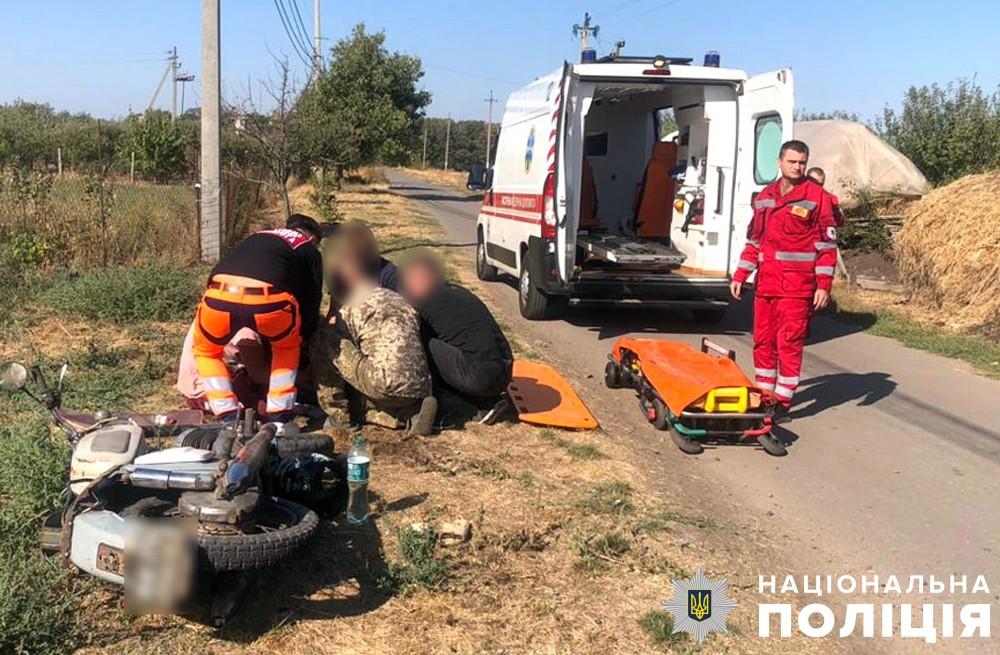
358, 462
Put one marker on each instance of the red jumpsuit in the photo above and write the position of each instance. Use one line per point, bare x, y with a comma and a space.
792, 244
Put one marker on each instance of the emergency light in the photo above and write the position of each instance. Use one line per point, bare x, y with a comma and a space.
712, 59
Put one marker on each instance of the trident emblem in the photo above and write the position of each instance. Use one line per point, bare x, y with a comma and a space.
699, 604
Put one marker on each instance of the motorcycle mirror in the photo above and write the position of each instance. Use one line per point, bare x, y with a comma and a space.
62, 375
13, 376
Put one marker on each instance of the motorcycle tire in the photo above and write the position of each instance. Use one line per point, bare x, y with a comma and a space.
241, 552
304, 444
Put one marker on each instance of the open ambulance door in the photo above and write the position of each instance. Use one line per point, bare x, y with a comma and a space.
568, 162
765, 112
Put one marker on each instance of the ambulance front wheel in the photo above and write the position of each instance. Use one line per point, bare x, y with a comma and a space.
612, 375
534, 304
484, 271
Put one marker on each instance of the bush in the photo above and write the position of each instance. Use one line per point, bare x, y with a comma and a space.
946, 131
37, 608
126, 295
419, 565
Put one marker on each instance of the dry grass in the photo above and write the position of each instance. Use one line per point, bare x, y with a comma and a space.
570, 547
949, 253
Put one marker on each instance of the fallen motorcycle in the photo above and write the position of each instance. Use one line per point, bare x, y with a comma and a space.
223, 490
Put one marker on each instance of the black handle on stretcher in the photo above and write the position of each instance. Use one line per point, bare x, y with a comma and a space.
707, 345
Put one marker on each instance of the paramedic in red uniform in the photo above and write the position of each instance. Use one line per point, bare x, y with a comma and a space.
792, 244
271, 282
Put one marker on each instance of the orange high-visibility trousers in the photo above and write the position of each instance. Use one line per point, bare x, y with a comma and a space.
225, 308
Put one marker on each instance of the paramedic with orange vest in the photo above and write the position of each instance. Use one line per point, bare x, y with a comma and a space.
792, 244
271, 282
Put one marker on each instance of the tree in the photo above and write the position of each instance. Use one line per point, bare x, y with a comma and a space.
946, 131
159, 145
276, 140
365, 108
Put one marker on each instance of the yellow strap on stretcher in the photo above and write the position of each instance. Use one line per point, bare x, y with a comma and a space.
727, 399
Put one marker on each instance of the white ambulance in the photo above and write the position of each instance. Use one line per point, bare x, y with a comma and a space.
590, 201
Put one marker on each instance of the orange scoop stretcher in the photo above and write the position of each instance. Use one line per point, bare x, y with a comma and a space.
544, 397
698, 395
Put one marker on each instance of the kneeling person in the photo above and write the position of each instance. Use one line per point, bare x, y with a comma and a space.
469, 354
271, 283
372, 344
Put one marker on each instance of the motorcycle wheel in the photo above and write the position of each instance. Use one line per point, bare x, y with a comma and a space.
280, 527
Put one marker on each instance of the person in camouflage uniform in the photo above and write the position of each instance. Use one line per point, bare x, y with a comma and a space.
371, 345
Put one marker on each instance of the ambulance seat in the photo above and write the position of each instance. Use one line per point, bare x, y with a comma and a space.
655, 194
588, 199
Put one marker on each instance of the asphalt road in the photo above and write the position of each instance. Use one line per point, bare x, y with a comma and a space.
895, 464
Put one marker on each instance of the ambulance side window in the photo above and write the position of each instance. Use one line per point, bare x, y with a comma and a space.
767, 144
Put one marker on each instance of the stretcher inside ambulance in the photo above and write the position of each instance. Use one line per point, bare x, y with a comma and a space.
594, 198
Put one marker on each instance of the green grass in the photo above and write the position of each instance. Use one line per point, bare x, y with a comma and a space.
597, 552
578, 451
981, 352
37, 604
418, 564
608, 498
659, 627
124, 296
660, 521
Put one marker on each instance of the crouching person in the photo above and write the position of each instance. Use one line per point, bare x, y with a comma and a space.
368, 357
469, 356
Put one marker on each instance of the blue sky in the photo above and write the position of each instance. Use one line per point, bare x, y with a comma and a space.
103, 57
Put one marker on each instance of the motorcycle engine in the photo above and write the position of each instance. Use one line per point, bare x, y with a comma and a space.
102, 450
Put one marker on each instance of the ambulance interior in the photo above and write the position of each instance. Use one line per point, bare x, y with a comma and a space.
643, 184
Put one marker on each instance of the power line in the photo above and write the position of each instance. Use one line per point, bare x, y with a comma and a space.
663, 5
302, 27
290, 33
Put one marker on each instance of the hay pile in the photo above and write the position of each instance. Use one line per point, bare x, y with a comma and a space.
948, 253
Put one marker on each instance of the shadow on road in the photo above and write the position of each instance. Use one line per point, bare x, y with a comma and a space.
431, 197
825, 391
338, 575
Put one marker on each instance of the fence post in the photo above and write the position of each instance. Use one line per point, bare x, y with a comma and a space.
131, 170
59, 160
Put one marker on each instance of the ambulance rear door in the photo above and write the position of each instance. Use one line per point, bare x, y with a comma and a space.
765, 107
572, 111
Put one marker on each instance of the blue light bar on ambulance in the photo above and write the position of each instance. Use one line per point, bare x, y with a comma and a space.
712, 59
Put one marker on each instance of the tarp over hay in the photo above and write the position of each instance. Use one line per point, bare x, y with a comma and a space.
948, 253
854, 157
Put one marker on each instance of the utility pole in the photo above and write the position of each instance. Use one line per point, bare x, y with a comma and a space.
585, 31
317, 38
159, 87
489, 127
423, 161
447, 141
173, 79
211, 172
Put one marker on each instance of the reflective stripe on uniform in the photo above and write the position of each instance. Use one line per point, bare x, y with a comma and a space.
747, 265
765, 372
766, 386
824, 270
282, 380
825, 245
788, 381
754, 242
761, 204
783, 256
223, 405
218, 384
280, 403
783, 392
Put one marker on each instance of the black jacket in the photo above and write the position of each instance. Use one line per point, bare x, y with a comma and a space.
288, 260
458, 317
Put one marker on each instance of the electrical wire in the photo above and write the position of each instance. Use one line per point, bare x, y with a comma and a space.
290, 34
302, 26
